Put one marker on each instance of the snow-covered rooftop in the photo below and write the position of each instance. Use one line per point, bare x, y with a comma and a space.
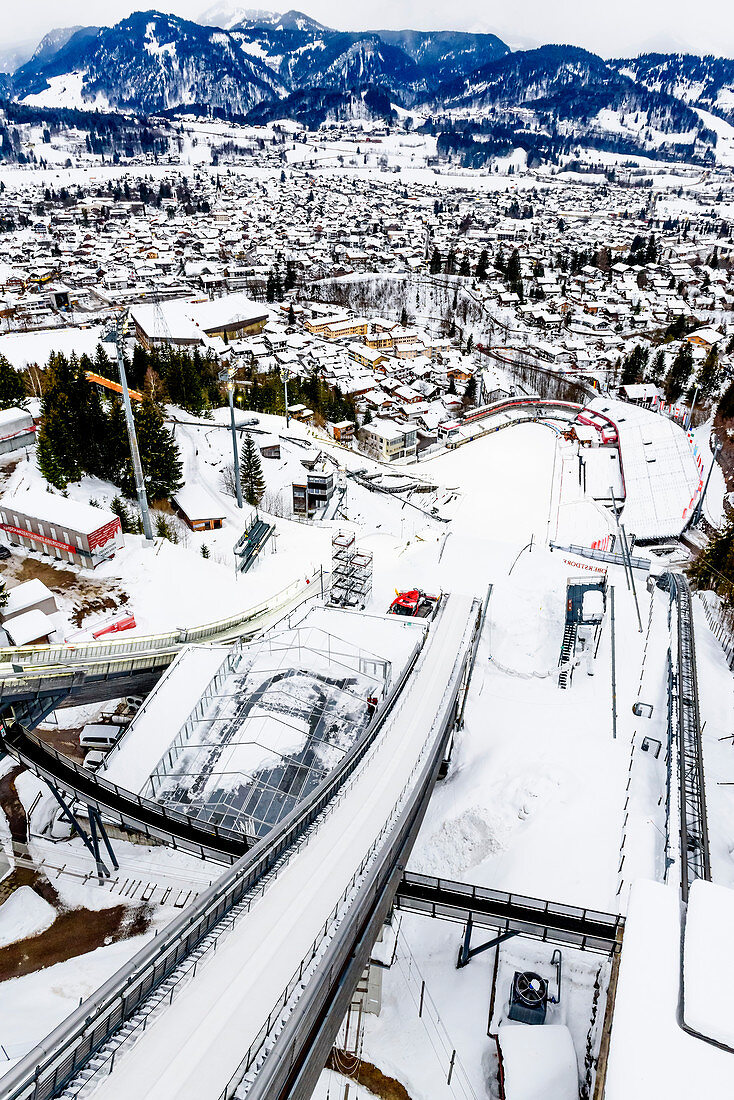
165, 711
64, 511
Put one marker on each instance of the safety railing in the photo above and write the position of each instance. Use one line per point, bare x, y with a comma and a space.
90, 652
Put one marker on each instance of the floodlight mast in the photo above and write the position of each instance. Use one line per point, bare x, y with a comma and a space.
120, 330
227, 376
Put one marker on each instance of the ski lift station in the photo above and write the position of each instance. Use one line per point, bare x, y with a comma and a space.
237, 737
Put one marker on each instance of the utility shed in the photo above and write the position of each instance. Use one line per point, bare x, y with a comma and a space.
29, 596
30, 628
199, 508
16, 430
269, 446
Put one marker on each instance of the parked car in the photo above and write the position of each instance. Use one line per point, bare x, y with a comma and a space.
94, 759
4, 553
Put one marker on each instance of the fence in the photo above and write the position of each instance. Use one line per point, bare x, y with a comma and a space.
458, 1083
720, 628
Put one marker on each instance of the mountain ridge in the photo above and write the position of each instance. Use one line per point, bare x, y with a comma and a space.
270, 65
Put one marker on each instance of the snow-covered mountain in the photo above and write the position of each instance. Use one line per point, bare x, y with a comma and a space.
704, 82
558, 95
55, 40
153, 62
289, 65
230, 15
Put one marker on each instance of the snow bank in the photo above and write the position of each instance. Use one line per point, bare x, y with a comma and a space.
24, 914
539, 1062
650, 1055
708, 962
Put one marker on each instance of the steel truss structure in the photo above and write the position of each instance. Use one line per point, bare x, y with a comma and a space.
351, 571
276, 718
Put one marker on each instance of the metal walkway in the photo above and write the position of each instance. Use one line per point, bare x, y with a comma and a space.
686, 727
118, 805
553, 922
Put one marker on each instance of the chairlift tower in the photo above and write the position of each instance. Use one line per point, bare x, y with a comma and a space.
120, 331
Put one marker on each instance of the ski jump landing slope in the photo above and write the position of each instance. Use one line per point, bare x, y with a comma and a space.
661, 478
197, 1044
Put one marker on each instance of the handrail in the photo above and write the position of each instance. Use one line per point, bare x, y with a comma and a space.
73, 653
695, 857
403, 824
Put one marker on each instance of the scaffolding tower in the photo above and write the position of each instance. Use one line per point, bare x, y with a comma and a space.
351, 571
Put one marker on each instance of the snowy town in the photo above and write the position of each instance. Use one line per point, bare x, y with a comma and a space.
366, 618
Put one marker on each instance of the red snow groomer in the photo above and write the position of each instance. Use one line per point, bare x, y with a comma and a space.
414, 604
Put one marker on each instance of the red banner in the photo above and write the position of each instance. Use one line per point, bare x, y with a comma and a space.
40, 538
97, 538
104, 534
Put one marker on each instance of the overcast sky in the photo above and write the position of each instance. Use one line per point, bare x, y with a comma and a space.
619, 28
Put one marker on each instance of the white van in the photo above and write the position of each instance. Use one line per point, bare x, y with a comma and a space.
94, 759
99, 736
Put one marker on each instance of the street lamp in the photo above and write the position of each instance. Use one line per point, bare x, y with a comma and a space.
285, 375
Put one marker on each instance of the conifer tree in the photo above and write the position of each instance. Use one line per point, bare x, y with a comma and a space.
59, 449
513, 273
253, 479
714, 567
91, 422
710, 375
679, 373
12, 386
158, 451
48, 464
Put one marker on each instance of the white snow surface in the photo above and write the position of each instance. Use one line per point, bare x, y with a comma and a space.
194, 1046
650, 1055
708, 962
660, 473
24, 914
539, 1062
66, 91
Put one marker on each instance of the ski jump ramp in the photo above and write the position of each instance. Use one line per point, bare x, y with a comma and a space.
258, 1015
